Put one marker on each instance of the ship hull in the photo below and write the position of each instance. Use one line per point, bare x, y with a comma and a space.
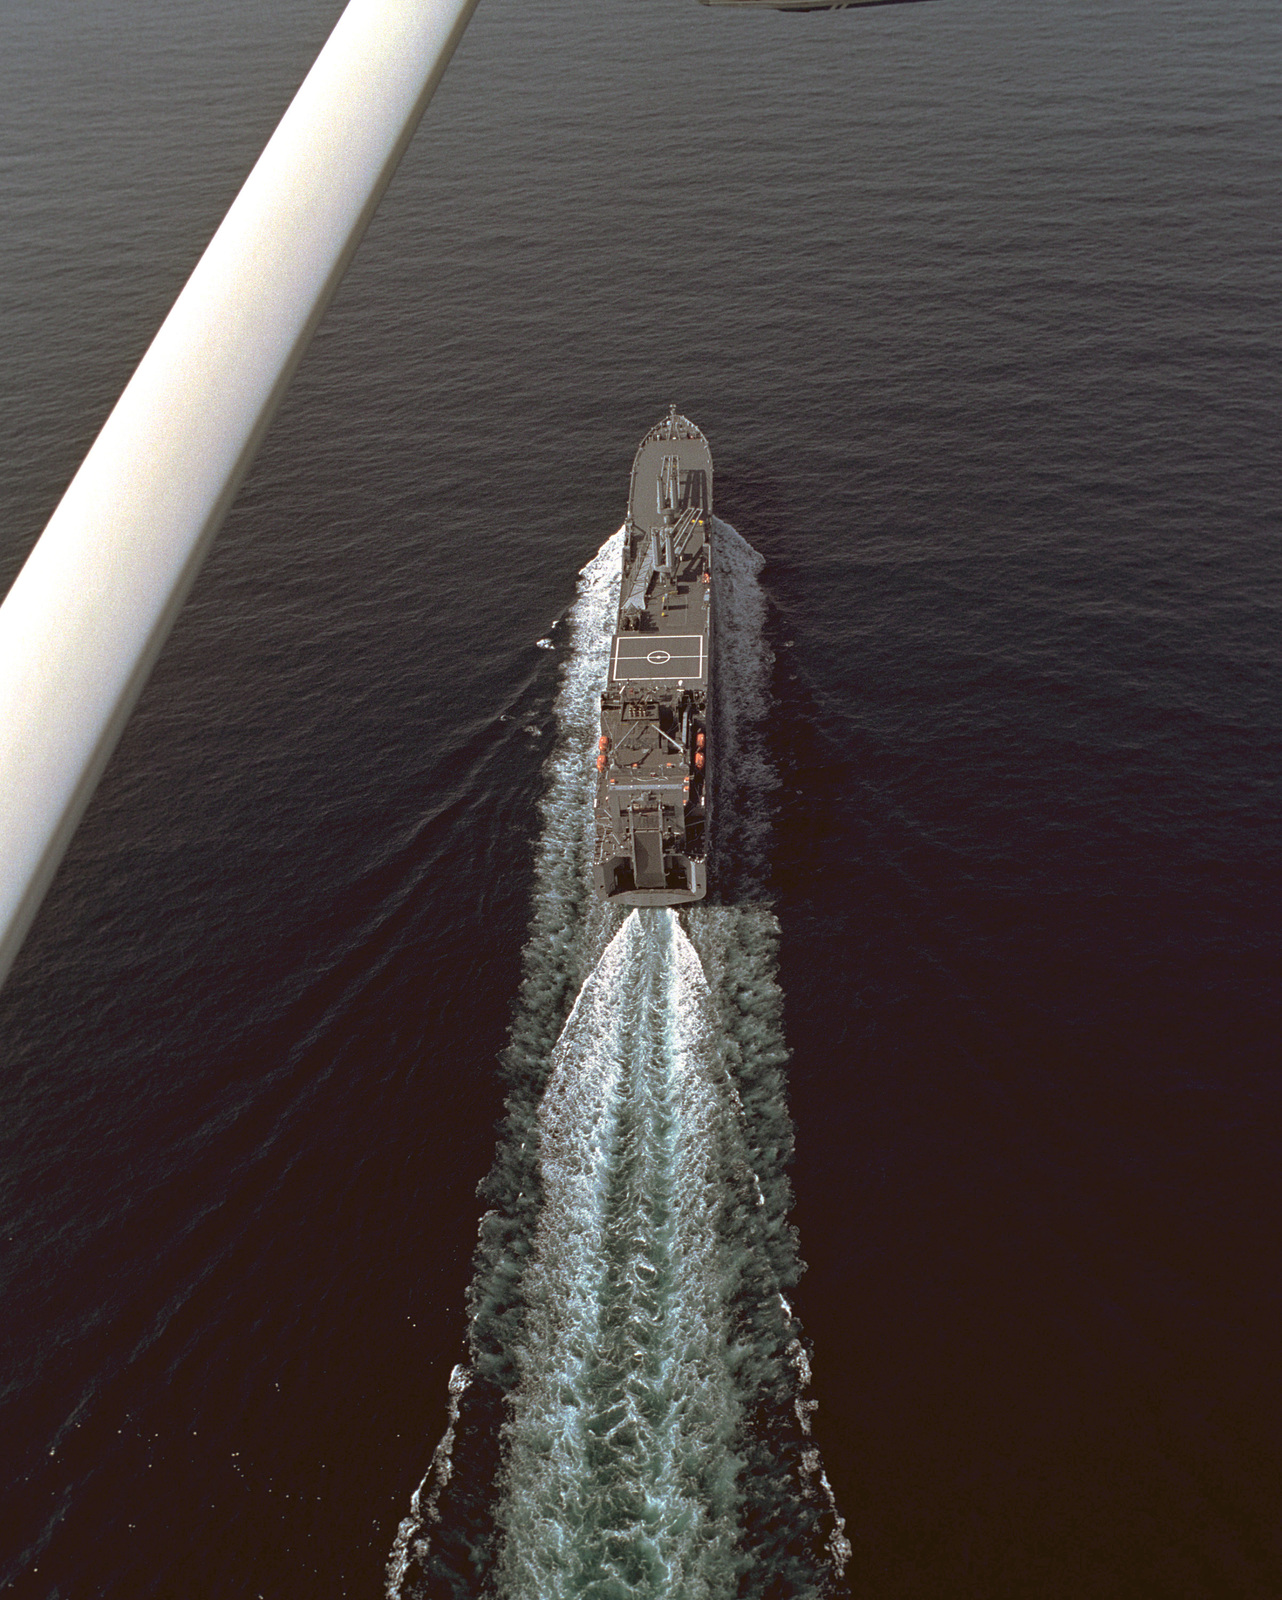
653, 802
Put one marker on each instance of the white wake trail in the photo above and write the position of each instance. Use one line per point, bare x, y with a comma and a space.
618, 1479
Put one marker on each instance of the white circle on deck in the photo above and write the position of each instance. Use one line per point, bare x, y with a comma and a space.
656, 658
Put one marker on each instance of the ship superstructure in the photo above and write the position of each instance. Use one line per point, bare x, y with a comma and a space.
652, 800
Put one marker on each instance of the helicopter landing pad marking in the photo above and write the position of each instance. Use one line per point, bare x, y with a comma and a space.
638, 657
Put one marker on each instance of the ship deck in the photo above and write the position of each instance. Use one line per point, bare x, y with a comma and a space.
669, 646
659, 658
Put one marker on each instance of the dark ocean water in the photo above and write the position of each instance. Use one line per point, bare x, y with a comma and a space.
978, 305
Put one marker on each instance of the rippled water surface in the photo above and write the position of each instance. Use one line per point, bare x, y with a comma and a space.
976, 302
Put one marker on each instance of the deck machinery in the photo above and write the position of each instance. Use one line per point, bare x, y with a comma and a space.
652, 799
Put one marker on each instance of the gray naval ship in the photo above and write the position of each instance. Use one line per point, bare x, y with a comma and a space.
803, 5
652, 799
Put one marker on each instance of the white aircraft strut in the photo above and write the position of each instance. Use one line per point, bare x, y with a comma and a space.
83, 624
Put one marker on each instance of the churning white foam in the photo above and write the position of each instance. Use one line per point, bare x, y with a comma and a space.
617, 1469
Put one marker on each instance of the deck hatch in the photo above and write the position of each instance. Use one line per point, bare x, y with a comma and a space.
647, 858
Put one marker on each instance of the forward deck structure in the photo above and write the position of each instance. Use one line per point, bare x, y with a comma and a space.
652, 801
